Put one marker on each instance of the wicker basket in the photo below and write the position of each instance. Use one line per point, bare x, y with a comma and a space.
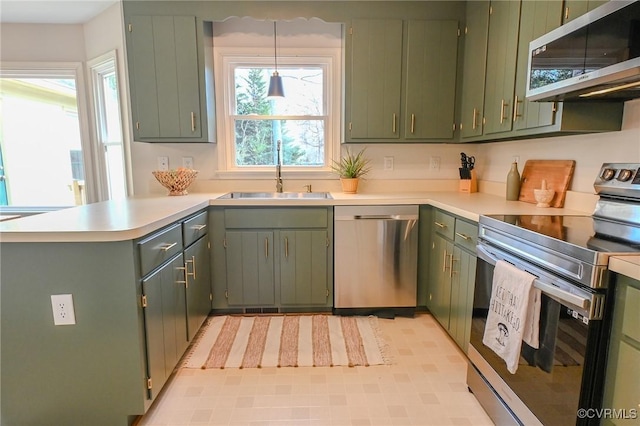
176, 181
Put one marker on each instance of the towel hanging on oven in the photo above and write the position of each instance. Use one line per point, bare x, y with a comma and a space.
514, 313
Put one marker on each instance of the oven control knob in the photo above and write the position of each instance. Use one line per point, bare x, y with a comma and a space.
608, 174
624, 175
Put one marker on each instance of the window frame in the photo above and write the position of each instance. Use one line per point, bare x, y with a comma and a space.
231, 57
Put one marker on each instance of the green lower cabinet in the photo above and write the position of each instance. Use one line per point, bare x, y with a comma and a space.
439, 294
196, 259
272, 259
303, 267
165, 321
622, 382
250, 268
464, 275
452, 274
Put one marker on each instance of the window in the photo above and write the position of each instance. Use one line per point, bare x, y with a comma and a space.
42, 158
305, 121
108, 125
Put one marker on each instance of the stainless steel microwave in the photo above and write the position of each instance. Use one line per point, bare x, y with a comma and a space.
596, 56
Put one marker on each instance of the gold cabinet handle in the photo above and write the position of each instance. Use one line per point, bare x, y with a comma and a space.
444, 261
193, 121
393, 123
463, 236
266, 247
566, 13
198, 227
191, 261
286, 247
451, 260
474, 122
515, 109
413, 123
186, 276
167, 246
440, 225
503, 104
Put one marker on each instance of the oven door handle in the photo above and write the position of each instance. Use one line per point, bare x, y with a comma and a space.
551, 290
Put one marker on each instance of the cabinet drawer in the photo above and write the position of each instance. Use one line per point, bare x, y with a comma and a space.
159, 248
194, 228
631, 319
444, 224
289, 217
466, 235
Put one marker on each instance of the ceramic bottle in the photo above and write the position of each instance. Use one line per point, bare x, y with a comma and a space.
513, 183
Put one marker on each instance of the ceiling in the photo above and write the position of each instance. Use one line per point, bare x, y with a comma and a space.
51, 11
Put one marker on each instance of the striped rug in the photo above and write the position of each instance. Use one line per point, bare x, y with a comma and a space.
287, 341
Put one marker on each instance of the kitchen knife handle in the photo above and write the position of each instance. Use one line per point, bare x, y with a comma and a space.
413, 122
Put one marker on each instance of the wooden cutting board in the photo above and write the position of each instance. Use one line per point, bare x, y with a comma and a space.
557, 173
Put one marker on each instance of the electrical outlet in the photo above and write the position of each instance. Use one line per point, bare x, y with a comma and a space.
163, 163
187, 162
63, 313
434, 163
388, 163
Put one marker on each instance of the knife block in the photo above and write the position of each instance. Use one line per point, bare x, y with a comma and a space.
469, 185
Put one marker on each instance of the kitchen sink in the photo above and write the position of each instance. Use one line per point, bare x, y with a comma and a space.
276, 195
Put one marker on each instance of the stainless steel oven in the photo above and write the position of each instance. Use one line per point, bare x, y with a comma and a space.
568, 255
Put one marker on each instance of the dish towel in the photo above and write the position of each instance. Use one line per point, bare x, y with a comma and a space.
514, 313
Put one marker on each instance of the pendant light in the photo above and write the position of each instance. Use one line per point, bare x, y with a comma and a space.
275, 84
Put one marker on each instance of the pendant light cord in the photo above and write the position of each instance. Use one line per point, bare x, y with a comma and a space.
275, 54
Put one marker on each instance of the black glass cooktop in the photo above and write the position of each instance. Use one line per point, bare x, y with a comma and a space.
585, 232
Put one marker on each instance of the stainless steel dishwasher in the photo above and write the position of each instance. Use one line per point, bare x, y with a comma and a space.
376, 257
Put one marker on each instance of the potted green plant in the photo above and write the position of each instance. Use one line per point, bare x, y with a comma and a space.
350, 168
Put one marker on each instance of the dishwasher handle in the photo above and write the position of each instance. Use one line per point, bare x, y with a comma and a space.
377, 217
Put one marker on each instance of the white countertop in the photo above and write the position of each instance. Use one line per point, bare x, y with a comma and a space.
127, 219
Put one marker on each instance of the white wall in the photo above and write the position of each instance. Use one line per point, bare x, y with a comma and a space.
41, 43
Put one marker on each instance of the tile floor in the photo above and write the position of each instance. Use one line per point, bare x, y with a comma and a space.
425, 385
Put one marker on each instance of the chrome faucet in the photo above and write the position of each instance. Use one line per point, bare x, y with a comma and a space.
278, 171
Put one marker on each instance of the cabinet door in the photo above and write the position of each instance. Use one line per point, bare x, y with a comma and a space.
575, 8
303, 267
502, 49
374, 79
165, 321
250, 268
430, 74
537, 18
462, 283
196, 259
164, 78
439, 300
475, 62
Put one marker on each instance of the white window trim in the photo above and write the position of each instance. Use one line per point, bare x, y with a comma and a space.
95, 68
65, 69
226, 57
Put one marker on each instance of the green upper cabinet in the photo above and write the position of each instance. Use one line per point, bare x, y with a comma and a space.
432, 52
401, 80
574, 8
494, 105
502, 49
537, 18
166, 79
373, 79
473, 72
